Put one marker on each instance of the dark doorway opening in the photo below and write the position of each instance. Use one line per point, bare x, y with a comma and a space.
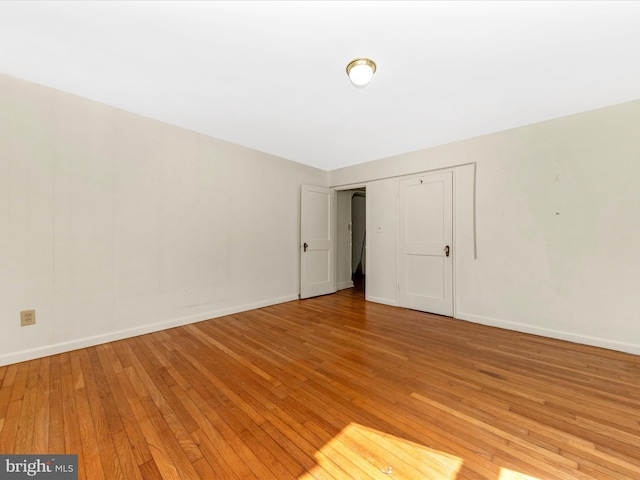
358, 239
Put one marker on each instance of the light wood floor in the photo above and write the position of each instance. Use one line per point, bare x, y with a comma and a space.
333, 388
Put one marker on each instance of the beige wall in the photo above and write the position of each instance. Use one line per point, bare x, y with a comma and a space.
558, 226
115, 225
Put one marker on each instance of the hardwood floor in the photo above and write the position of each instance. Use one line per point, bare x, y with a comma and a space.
332, 388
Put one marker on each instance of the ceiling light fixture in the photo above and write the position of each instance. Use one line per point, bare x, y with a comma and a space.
361, 71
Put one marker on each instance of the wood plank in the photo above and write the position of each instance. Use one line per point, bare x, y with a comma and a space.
148, 406
110, 391
10, 427
41, 414
72, 435
102, 412
24, 435
6, 388
90, 458
154, 444
57, 440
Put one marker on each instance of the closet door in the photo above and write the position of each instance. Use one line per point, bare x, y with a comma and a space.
425, 240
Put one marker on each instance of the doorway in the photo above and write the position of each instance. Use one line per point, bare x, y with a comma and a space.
359, 239
351, 249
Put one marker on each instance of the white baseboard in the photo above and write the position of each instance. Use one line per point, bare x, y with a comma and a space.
343, 285
63, 347
557, 334
30, 354
386, 301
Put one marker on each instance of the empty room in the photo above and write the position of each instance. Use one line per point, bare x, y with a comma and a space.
319, 240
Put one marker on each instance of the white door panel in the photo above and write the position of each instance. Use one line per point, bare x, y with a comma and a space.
317, 269
425, 234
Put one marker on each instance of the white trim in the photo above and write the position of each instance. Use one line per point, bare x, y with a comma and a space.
385, 301
549, 333
343, 285
63, 347
355, 186
454, 245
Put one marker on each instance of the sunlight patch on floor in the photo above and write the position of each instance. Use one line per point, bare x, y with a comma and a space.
506, 474
359, 451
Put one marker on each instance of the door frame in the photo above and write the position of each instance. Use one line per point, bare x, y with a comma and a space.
343, 188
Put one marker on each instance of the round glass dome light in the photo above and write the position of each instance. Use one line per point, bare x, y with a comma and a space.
361, 71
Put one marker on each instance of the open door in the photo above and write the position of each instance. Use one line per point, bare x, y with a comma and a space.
317, 258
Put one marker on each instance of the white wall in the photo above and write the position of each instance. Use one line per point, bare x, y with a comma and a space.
558, 226
114, 225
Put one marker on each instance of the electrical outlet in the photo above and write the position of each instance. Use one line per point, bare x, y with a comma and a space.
27, 317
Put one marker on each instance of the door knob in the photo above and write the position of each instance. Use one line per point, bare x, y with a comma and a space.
447, 250
306, 245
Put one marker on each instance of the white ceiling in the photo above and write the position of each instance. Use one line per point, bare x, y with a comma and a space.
271, 75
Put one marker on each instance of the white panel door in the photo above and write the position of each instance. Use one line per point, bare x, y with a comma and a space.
317, 261
425, 234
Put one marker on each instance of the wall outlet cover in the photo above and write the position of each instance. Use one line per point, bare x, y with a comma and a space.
27, 317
